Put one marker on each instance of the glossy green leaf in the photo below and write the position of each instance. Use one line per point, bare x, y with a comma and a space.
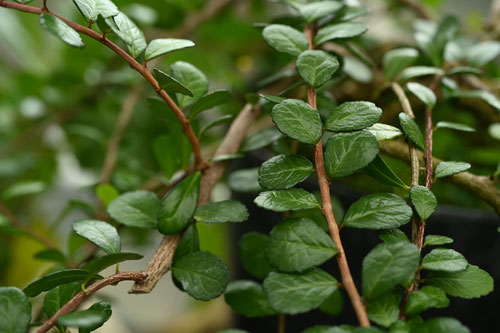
472, 282
284, 171
411, 129
285, 39
437, 240
346, 153
445, 169
102, 234
84, 319
15, 310
384, 310
209, 101
418, 71
380, 171
455, 126
446, 260
423, 93
104, 307
392, 235
296, 245
99, 264
61, 30
128, 32
201, 274
388, 265
192, 78
159, 47
53, 280
222, 211
261, 139
245, 180
340, 31
423, 200
482, 53
313, 11
179, 205
283, 200
384, 132
396, 60
170, 84
316, 67
440, 325
190, 243
91, 9
135, 209
298, 120
248, 299
351, 116
479, 94
251, 249
425, 298
298, 293
219, 121
378, 211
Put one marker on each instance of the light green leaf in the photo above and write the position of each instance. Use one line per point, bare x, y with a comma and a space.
100, 233
411, 129
104, 307
135, 209
388, 265
349, 13
22, 188
91, 9
340, 31
482, 53
192, 78
351, 116
285, 39
53, 280
245, 180
472, 282
159, 47
396, 60
222, 211
494, 130
446, 260
417, 71
83, 319
384, 310
424, 298
445, 169
384, 132
260, 139
60, 29
296, 245
101, 263
284, 171
129, 33
15, 310
170, 84
107, 193
346, 153
202, 275
440, 325
179, 205
209, 101
480, 94
298, 120
461, 70
380, 171
455, 126
298, 293
252, 255
315, 10
437, 240
423, 93
423, 200
316, 67
248, 299
283, 200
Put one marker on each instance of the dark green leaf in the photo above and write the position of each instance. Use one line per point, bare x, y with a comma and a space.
315, 10
334, 304
437, 240
411, 129
285, 39
384, 132
446, 260
170, 84
316, 67
417, 71
57, 297
84, 319
100, 233
445, 169
260, 139
209, 101
380, 171
216, 122
482, 53
351, 116
340, 31
396, 60
91, 9
222, 211
423, 93
104, 307
53, 280
51, 255
384, 310
15, 310
424, 298
273, 99
392, 235
284, 171
189, 243
252, 255
455, 126
245, 180
461, 70
440, 325
248, 299
129, 33
135, 209
423, 200
60, 29
192, 78
99, 264
159, 47
283, 200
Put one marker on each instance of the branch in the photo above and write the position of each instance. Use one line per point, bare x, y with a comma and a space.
82, 296
162, 259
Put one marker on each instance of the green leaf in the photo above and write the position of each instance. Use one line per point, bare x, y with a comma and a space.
135, 209
57, 297
102, 234
298, 120
482, 53
440, 325
272, 99
283, 200
192, 78
296, 245
22, 188
346, 153
91, 9
261, 139
378, 211
15, 310
99, 264
298, 293
83, 319
334, 304
396, 60
411, 129
190, 243
159, 47
384, 132
446, 260
392, 235
316, 67
53, 280
384, 310
423, 93
388, 265
455, 126
179, 205
425, 298
445, 169
128, 32
107, 193
209, 101
222, 211
437, 240
380, 171
351, 12
170, 84
327, 329
313, 11
201, 274
284, 171
480, 94
423, 200
219, 121
461, 70
61, 30
227, 157
340, 31
252, 255
245, 180
472, 282
417, 71
51, 255
285, 39
351, 116
104, 307
248, 299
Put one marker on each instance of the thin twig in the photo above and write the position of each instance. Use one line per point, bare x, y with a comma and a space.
281, 323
